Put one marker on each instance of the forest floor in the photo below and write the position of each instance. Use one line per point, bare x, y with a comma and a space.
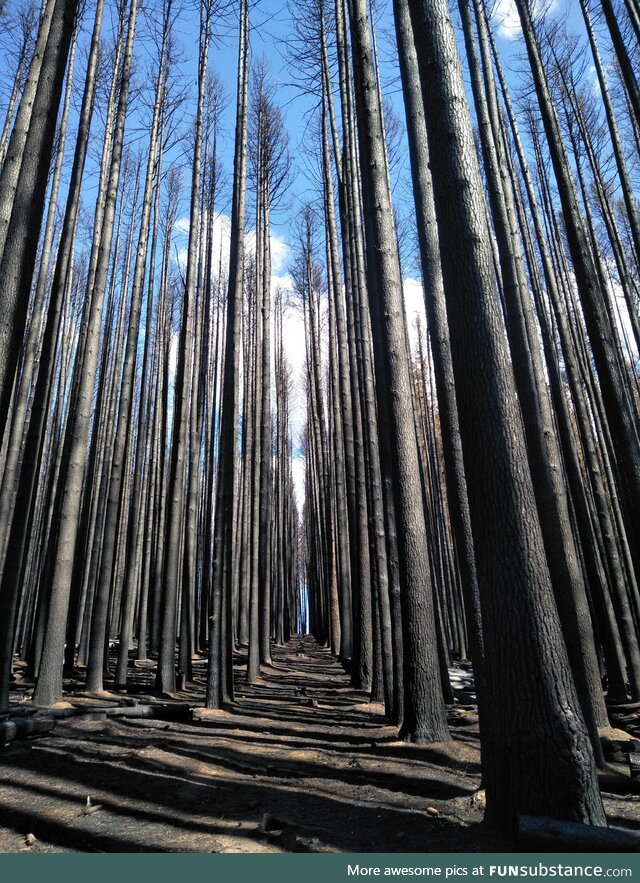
303, 763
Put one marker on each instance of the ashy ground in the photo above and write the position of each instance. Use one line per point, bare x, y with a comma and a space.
302, 764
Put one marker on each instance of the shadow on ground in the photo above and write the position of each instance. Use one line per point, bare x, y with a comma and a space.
301, 763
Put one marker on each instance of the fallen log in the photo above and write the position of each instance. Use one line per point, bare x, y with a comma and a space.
559, 836
16, 711
57, 710
623, 706
613, 782
24, 728
178, 711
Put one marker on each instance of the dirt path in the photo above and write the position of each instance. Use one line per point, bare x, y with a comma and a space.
302, 763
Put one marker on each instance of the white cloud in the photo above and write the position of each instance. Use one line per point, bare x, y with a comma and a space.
221, 244
279, 253
298, 466
173, 354
221, 241
181, 259
293, 324
414, 306
592, 77
293, 338
505, 15
293, 330
182, 226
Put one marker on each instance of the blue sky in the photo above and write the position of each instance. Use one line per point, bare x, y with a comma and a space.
271, 27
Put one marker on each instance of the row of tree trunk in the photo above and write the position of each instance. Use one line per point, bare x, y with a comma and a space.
468, 493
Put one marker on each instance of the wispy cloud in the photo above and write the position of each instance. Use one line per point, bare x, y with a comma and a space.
505, 16
280, 250
293, 327
414, 306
